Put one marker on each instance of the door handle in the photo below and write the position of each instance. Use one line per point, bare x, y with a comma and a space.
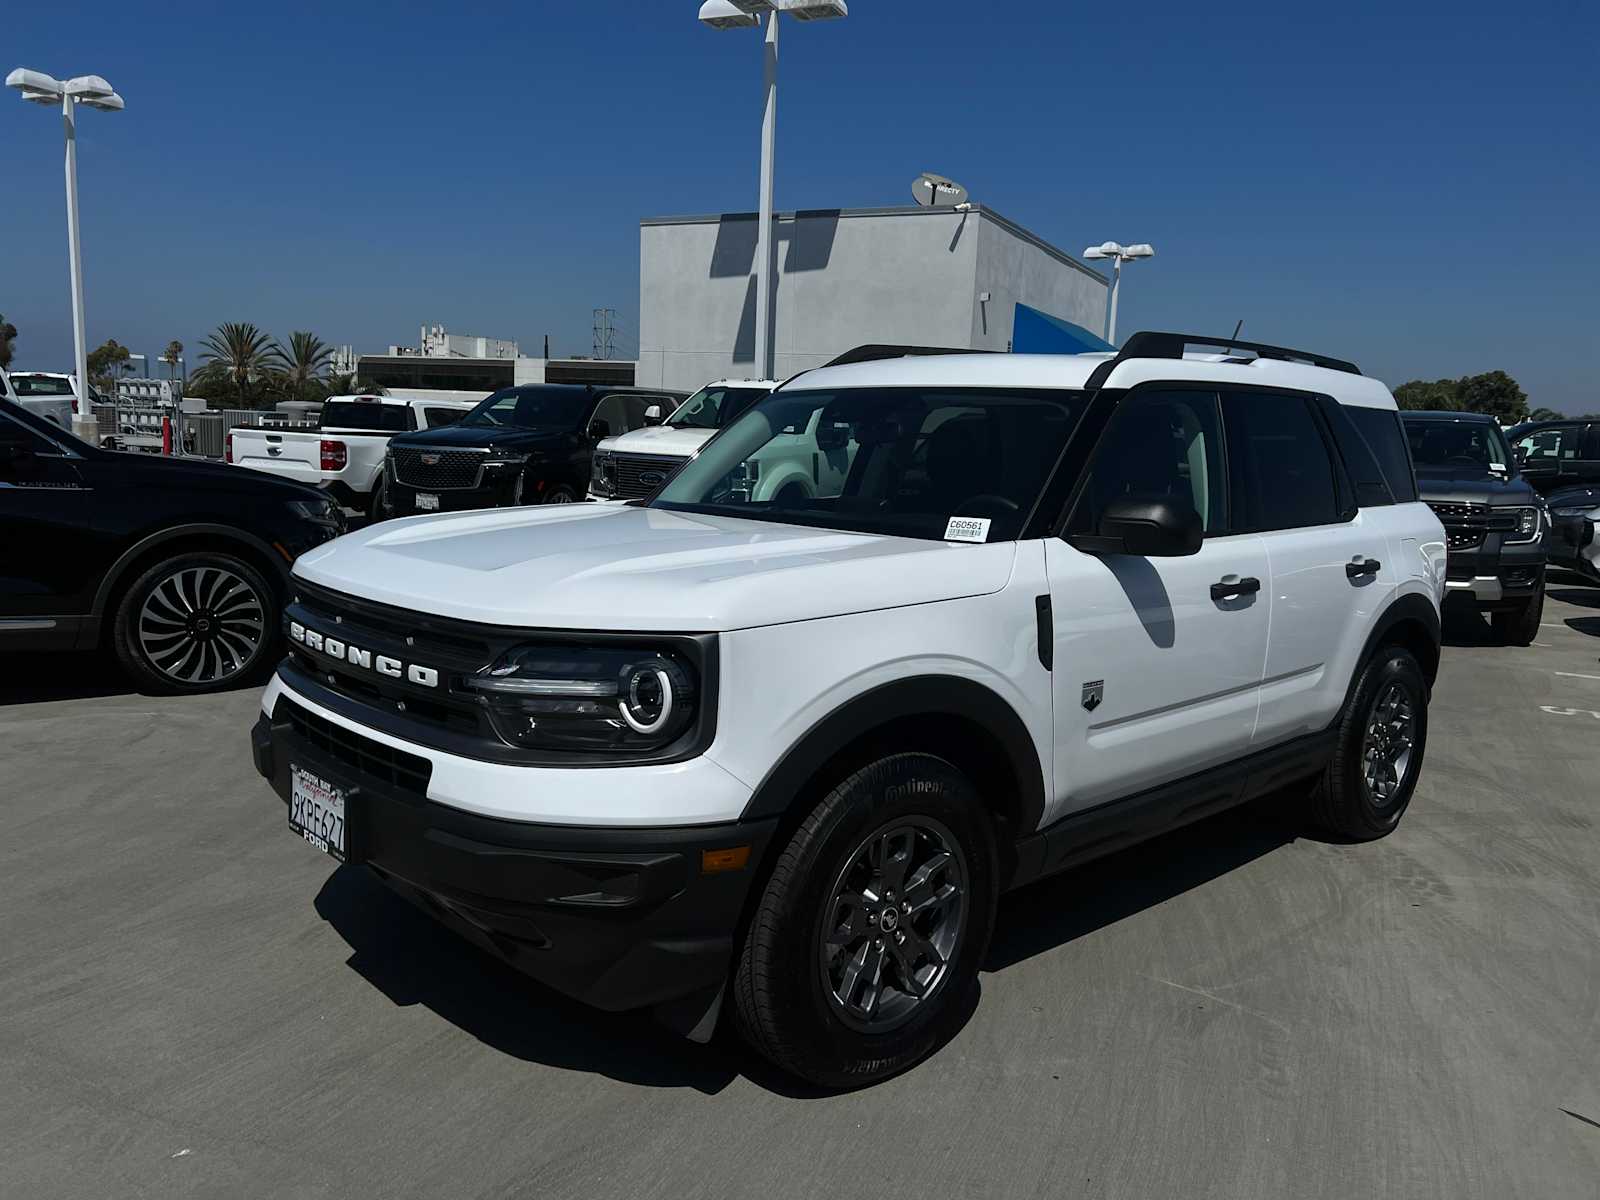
1360, 568
1232, 586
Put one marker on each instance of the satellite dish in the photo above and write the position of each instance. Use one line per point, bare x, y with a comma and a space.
935, 191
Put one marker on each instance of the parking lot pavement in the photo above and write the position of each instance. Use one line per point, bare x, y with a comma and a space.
195, 1003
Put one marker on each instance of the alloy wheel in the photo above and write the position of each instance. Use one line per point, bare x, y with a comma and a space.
201, 624
1386, 750
893, 923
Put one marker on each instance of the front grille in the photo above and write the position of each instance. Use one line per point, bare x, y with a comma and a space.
1465, 525
366, 757
438, 470
638, 475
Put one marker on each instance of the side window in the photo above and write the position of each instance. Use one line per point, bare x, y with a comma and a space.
442, 416
1381, 431
1545, 448
1278, 462
612, 411
1159, 444
1371, 489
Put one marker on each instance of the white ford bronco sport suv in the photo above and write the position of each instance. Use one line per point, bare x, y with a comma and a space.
708, 753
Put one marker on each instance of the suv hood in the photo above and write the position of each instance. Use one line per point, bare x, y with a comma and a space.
660, 439
624, 568
475, 437
1444, 486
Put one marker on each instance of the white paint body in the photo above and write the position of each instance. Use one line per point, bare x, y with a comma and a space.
55, 409
809, 619
297, 453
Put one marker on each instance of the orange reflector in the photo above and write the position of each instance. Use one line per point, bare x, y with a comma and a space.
735, 858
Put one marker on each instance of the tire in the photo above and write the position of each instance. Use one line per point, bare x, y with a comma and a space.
1344, 800
378, 506
787, 987
197, 622
1519, 626
560, 494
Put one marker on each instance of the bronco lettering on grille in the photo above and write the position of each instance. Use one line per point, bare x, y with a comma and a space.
356, 656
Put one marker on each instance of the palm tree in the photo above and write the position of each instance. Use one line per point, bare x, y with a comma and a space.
349, 385
239, 353
305, 360
173, 353
8, 337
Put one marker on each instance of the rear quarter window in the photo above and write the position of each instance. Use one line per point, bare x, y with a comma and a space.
1381, 431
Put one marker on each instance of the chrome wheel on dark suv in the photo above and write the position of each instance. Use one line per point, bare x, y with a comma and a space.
196, 623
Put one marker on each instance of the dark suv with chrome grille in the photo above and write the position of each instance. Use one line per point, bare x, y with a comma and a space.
522, 445
1494, 521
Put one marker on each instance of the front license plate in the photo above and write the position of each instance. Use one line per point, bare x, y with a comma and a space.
316, 811
427, 502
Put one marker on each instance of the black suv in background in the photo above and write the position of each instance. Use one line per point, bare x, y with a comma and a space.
1494, 521
522, 445
180, 566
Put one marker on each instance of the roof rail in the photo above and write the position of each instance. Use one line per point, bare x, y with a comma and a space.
1173, 345
877, 351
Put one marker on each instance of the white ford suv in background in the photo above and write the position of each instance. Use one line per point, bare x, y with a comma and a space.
632, 465
787, 753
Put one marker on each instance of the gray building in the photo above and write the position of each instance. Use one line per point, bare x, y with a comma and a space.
846, 277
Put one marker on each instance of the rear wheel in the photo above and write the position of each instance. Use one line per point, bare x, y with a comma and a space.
1381, 739
1520, 625
560, 494
862, 954
198, 622
378, 507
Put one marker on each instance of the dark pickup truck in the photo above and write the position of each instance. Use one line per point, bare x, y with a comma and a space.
1494, 521
522, 445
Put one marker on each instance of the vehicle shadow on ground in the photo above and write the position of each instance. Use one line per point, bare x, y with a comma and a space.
412, 959
1055, 911
1463, 625
26, 678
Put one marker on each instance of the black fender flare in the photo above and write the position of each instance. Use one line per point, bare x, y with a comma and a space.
1408, 608
915, 696
231, 533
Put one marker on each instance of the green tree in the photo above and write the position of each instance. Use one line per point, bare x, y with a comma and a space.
171, 355
1544, 414
8, 342
238, 355
1494, 393
107, 362
349, 385
302, 364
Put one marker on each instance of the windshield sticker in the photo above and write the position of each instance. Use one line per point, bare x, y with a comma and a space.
967, 529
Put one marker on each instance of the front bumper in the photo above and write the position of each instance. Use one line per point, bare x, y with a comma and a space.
618, 918
497, 491
1496, 575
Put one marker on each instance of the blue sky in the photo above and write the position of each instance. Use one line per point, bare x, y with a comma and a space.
1413, 185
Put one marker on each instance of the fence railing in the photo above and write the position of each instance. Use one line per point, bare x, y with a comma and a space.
204, 434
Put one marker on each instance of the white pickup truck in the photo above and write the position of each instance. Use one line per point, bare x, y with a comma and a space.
345, 453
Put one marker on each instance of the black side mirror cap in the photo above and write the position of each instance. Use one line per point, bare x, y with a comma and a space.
599, 430
1151, 528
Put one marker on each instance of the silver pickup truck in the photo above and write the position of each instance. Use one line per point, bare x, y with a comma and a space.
345, 453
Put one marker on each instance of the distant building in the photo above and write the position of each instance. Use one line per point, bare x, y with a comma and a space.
848, 277
470, 366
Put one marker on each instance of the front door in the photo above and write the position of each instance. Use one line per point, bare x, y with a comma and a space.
48, 563
1158, 661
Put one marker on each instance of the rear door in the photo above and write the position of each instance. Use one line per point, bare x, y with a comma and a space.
50, 562
1158, 661
1329, 565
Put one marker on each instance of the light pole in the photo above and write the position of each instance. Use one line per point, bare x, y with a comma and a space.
1119, 255
749, 14
94, 91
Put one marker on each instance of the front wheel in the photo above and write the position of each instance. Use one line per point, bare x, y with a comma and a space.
1520, 625
1377, 759
198, 622
862, 955
378, 507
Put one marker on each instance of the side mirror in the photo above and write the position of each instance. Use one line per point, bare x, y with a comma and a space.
833, 435
599, 430
1157, 528
1518, 455
652, 415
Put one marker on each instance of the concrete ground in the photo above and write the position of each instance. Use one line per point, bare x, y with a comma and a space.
195, 1003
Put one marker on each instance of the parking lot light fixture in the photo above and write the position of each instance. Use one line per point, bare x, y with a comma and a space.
1119, 254
747, 14
92, 90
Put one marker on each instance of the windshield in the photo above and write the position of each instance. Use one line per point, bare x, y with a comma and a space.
536, 407
41, 385
714, 407
1442, 444
364, 414
963, 464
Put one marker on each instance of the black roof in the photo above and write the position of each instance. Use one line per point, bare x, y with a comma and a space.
1447, 414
